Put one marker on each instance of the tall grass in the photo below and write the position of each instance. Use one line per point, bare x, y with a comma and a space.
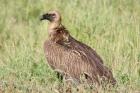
112, 27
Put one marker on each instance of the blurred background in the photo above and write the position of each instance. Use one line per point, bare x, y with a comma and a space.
112, 27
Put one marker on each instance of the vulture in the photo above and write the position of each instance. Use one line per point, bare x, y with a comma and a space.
70, 57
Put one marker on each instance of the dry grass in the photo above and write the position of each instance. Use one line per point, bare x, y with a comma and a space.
112, 27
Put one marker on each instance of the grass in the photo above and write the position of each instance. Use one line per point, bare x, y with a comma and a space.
112, 27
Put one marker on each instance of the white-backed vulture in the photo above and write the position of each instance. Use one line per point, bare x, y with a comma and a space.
71, 57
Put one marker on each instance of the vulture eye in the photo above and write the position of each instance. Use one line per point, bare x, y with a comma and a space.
53, 15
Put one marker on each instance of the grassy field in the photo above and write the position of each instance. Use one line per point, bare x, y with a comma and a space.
112, 27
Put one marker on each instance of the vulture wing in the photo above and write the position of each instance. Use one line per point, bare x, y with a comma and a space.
76, 59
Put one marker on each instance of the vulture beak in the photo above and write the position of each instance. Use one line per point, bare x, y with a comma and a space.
46, 17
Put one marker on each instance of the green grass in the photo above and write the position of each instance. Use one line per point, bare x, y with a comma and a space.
112, 27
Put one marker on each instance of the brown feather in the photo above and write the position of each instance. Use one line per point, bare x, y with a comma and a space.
73, 57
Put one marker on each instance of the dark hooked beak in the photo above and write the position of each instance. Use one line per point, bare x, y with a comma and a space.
46, 17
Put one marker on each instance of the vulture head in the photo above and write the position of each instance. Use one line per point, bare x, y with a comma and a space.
51, 16
56, 30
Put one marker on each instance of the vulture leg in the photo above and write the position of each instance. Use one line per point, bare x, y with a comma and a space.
88, 78
60, 74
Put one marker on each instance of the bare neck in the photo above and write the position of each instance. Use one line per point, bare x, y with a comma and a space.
57, 32
53, 25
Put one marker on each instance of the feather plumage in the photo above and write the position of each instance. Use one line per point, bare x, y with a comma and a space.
71, 56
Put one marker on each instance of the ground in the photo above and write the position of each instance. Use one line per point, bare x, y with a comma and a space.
111, 27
